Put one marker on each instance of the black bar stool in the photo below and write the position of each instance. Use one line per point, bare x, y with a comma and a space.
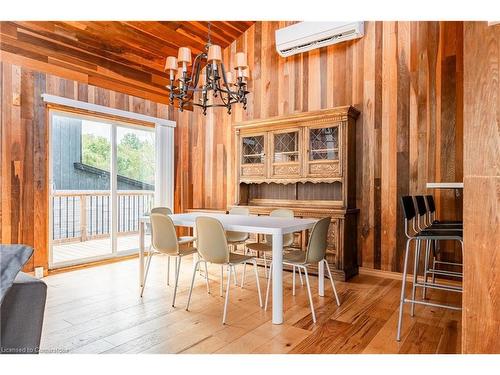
418, 236
424, 224
432, 213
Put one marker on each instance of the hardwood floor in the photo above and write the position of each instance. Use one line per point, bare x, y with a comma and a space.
98, 310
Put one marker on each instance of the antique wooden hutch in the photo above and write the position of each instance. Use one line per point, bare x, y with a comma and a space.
305, 162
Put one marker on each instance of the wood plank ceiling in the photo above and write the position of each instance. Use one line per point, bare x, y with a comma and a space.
120, 55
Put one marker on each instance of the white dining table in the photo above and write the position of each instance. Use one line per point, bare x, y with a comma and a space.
274, 226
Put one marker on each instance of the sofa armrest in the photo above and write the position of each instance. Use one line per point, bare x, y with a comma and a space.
21, 315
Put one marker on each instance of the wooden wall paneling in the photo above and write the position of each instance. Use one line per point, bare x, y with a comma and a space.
481, 298
402, 137
398, 146
41, 160
366, 186
389, 146
392, 75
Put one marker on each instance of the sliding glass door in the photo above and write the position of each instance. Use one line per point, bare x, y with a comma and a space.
102, 179
135, 163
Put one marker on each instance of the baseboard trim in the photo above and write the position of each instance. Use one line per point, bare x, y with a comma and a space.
399, 276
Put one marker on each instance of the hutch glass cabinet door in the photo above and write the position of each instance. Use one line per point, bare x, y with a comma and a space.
253, 156
324, 151
286, 156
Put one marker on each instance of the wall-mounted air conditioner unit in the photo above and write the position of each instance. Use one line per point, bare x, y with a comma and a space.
305, 36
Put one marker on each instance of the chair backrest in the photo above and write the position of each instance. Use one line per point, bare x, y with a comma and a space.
318, 241
238, 236
163, 235
408, 207
239, 211
161, 210
430, 203
211, 240
287, 238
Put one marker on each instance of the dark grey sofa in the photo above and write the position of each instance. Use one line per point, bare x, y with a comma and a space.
22, 303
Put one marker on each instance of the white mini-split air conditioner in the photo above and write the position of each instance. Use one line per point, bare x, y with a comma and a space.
305, 36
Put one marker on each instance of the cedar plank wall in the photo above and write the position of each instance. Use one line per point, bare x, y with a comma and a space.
24, 149
405, 77
481, 299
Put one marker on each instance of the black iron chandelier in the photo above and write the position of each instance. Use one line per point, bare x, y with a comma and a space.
208, 85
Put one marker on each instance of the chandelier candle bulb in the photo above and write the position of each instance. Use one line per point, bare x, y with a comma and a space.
214, 53
184, 56
229, 78
171, 64
241, 60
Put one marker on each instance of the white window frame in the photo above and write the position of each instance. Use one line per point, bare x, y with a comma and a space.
164, 160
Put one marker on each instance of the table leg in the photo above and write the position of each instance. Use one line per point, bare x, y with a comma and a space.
321, 279
277, 278
141, 252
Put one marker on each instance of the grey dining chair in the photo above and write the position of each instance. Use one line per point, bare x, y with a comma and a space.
315, 253
213, 247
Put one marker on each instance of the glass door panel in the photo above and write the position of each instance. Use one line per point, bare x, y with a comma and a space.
135, 168
286, 147
323, 152
253, 156
324, 143
80, 201
285, 162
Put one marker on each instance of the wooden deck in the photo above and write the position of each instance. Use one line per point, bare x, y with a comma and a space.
99, 310
74, 251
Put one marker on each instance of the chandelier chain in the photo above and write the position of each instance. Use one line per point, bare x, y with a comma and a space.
208, 36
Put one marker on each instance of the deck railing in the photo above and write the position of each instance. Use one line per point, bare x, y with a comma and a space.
86, 214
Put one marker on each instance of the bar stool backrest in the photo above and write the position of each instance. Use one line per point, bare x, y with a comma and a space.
163, 235
422, 211
211, 240
161, 210
408, 207
420, 204
430, 206
430, 203
316, 249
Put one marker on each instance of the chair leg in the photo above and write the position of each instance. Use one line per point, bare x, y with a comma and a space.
168, 270
433, 268
206, 278
234, 275
195, 269
300, 277
265, 265
415, 271
293, 281
309, 294
177, 272
221, 280
268, 284
150, 256
243, 274
257, 281
227, 295
403, 286
332, 282
426, 266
